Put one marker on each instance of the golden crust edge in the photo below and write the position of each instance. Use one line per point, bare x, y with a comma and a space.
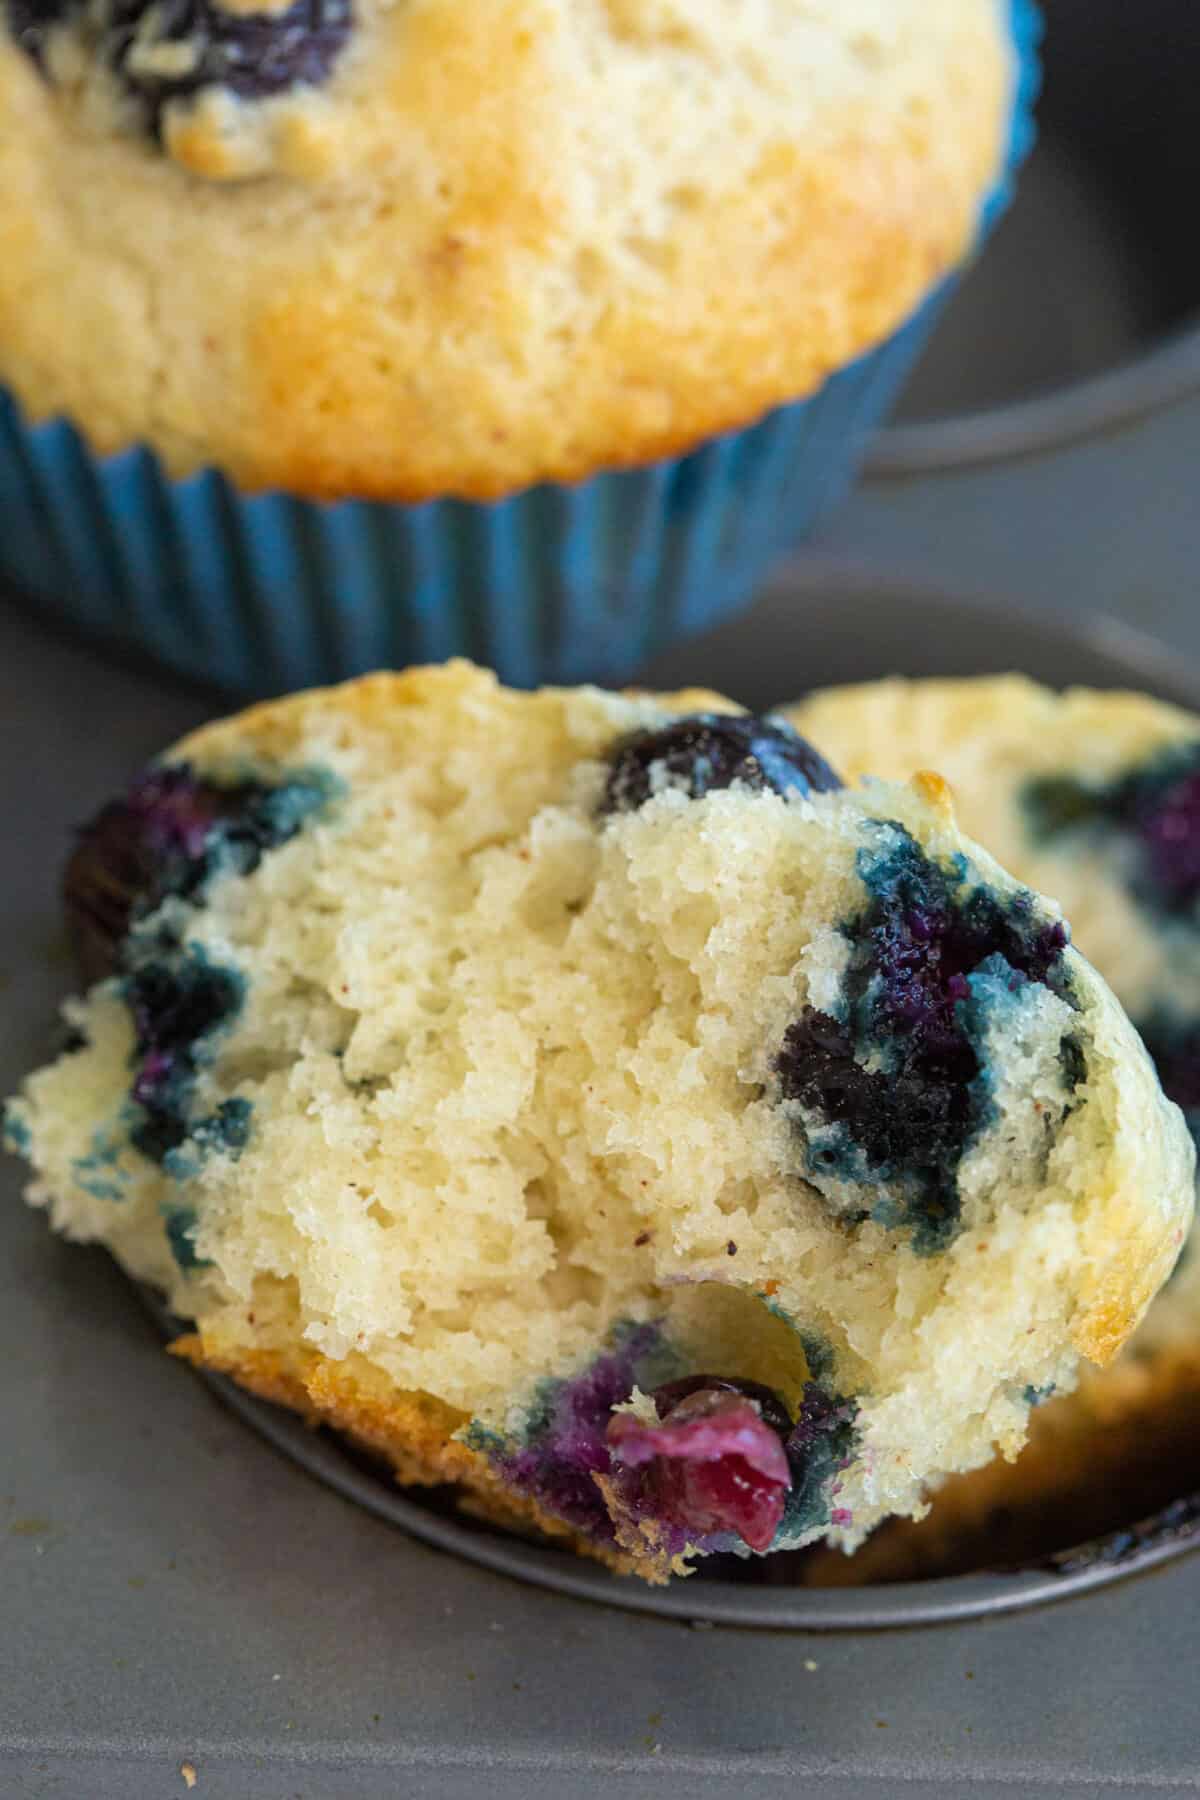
412, 1432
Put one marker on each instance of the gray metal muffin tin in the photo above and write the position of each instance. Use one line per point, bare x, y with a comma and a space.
174, 1594
180, 1603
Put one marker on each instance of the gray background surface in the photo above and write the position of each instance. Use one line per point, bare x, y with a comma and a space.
173, 1591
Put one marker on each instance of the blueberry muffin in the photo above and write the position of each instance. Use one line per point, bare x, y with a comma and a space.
588, 1100
1095, 798
462, 246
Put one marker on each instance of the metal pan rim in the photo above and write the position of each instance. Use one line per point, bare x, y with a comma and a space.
1044, 423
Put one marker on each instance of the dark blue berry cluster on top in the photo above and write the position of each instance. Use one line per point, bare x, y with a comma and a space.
714, 750
252, 55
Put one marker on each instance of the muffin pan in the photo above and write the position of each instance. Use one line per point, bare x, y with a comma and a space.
1046, 451
1084, 310
178, 1597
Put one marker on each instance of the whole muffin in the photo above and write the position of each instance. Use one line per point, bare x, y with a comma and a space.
1095, 798
462, 246
586, 1099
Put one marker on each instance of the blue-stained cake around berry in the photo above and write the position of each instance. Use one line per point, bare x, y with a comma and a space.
587, 1100
1094, 798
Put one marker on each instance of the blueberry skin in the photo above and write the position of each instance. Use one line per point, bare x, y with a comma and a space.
706, 751
250, 55
898, 1076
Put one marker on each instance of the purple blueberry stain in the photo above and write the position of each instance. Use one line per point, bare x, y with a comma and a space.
252, 56
706, 751
889, 1094
724, 1464
170, 838
565, 1445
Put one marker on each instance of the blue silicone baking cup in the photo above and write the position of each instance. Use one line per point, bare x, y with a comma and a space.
263, 593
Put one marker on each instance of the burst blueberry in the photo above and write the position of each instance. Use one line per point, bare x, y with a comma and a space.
710, 1465
724, 1461
705, 751
168, 837
889, 1092
247, 54
179, 1002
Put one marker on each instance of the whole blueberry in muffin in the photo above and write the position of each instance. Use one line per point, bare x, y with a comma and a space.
708, 751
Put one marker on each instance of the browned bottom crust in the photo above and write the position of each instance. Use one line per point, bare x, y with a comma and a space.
414, 1434
1116, 1451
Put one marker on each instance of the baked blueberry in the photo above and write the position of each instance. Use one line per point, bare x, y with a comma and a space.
178, 1000
715, 750
892, 1092
171, 49
169, 835
713, 1463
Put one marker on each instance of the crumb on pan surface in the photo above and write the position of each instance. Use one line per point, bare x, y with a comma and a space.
525, 1084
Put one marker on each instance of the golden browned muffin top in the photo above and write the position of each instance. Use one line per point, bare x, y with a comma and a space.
460, 246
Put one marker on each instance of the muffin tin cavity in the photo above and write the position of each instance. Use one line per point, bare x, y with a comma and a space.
1085, 306
889, 1096
173, 49
172, 833
714, 750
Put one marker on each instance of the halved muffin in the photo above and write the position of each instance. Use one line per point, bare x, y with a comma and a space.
586, 1099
